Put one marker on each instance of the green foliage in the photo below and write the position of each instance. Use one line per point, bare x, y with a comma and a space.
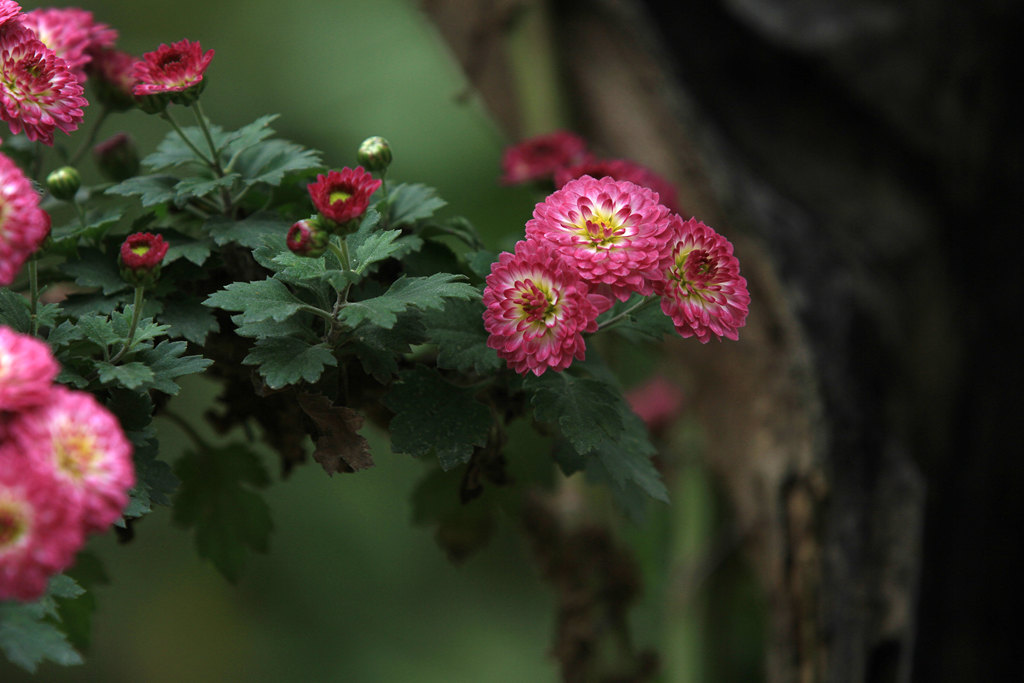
423, 293
263, 300
435, 417
287, 360
31, 632
461, 339
217, 500
413, 202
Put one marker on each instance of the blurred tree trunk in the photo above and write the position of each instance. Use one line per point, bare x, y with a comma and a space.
864, 159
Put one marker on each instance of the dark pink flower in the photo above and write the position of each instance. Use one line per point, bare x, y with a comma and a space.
23, 225
539, 157
703, 291
621, 169
537, 308
113, 74
40, 529
172, 69
307, 238
71, 33
8, 10
613, 232
657, 402
38, 93
82, 445
143, 251
27, 369
343, 195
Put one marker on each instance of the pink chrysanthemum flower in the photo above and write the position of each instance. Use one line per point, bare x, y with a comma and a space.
537, 308
8, 10
621, 169
703, 291
82, 444
539, 157
40, 529
615, 233
38, 93
172, 69
657, 402
143, 250
27, 369
71, 33
23, 225
343, 195
113, 74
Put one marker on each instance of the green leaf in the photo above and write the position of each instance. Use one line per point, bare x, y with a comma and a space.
625, 465
96, 223
236, 142
261, 300
168, 362
191, 188
129, 375
216, 499
423, 293
249, 233
271, 161
146, 329
29, 634
297, 325
150, 189
585, 410
461, 339
435, 417
408, 203
188, 318
382, 245
173, 152
64, 334
155, 481
97, 329
94, 268
378, 348
480, 262
287, 360
14, 311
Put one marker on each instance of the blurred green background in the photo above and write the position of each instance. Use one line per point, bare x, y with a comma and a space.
351, 590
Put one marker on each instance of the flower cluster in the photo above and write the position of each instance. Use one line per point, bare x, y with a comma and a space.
47, 55
562, 156
65, 468
596, 240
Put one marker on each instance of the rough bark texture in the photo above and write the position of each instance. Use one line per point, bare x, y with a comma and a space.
865, 159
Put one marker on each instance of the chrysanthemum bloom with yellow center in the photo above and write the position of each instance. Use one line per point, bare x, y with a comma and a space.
173, 69
81, 443
703, 291
38, 93
71, 33
40, 530
23, 225
614, 232
27, 369
539, 157
537, 309
342, 196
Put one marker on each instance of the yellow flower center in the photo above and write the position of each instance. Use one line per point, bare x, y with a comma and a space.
536, 303
14, 523
75, 451
338, 196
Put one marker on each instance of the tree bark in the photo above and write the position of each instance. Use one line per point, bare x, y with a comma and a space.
845, 148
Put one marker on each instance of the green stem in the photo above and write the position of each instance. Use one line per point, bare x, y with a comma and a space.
136, 315
614, 320
33, 285
166, 116
79, 212
197, 109
88, 142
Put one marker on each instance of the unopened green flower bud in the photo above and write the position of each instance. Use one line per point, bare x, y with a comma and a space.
374, 154
64, 183
117, 157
